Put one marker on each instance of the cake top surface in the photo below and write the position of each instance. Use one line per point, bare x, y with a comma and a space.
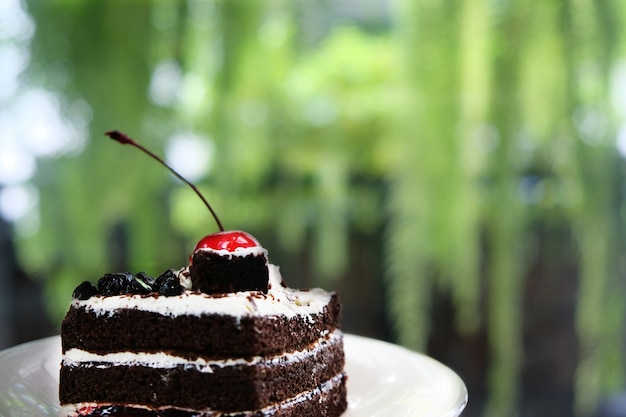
279, 300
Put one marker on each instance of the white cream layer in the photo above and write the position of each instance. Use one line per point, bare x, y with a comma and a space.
239, 252
161, 360
278, 301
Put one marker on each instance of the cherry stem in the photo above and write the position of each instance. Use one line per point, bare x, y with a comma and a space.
126, 140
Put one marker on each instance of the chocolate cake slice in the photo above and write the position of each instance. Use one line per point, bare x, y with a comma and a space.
277, 352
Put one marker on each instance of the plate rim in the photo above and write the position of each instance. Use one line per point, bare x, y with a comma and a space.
462, 399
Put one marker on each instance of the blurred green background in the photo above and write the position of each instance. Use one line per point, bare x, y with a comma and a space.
455, 169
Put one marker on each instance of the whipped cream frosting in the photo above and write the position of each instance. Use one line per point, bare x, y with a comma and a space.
279, 300
240, 252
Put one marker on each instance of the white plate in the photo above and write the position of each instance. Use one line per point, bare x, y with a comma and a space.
384, 380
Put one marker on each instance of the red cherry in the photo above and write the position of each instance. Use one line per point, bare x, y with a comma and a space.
227, 240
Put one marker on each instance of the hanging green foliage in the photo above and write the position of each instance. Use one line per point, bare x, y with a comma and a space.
456, 131
593, 28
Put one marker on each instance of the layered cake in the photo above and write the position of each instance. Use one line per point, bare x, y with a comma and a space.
224, 336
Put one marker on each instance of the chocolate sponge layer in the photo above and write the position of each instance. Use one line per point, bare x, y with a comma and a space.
209, 336
329, 402
214, 274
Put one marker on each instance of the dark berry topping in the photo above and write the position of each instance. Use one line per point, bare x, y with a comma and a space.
168, 284
141, 284
127, 411
115, 284
85, 291
121, 283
